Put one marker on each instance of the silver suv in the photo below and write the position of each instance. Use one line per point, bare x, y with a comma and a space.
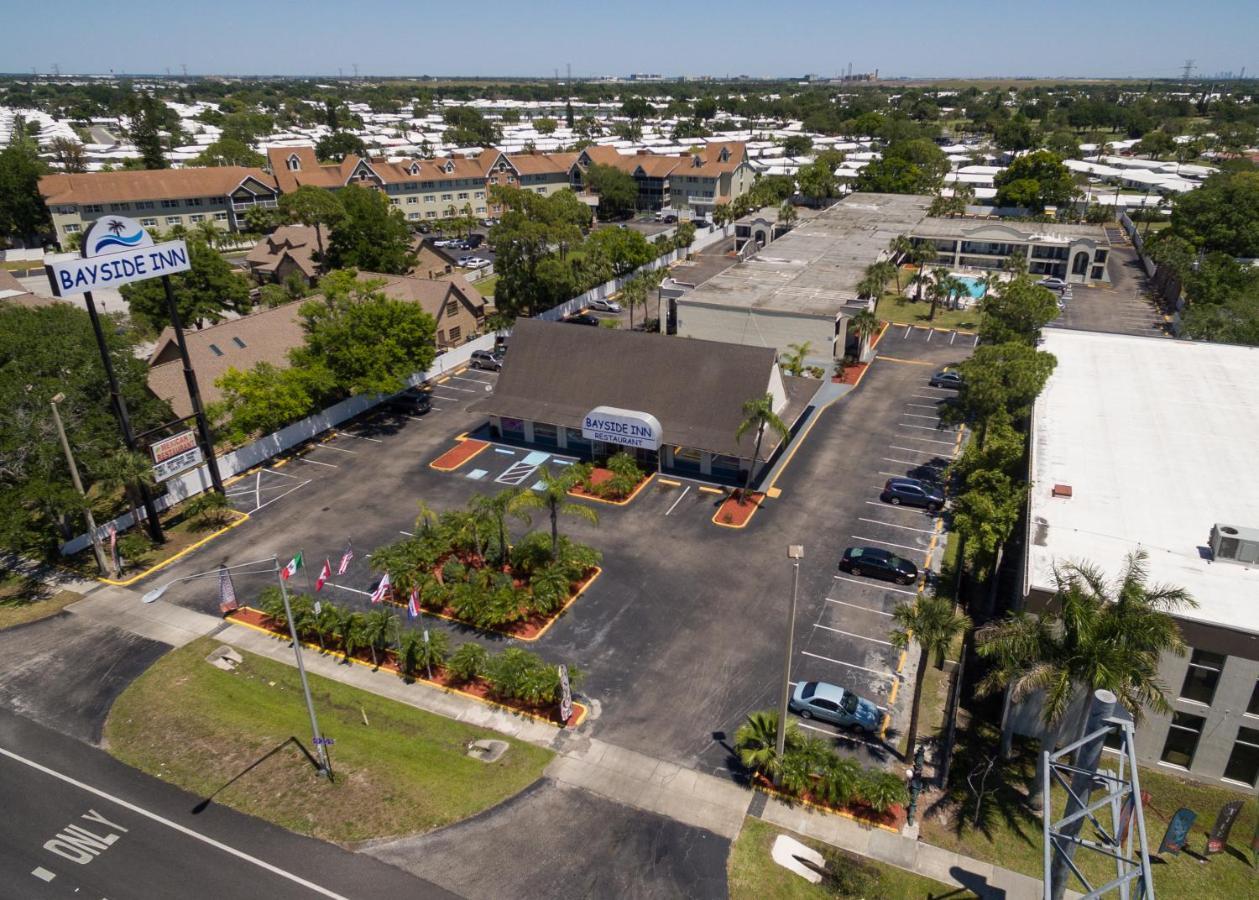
484, 359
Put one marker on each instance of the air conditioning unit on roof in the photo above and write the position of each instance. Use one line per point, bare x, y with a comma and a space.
1233, 544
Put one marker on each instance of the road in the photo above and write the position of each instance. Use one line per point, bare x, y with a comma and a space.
79, 823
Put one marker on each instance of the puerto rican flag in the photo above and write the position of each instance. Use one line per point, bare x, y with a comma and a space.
382, 589
324, 574
413, 605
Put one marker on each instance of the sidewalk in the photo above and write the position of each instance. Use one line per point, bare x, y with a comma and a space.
158, 621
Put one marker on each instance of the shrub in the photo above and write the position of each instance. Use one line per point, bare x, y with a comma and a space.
532, 552
467, 662
454, 572
208, 510
550, 589
882, 790
520, 675
133, 545
415, 653
575, 559
271, 602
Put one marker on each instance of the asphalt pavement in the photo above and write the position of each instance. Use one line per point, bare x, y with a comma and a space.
78, 823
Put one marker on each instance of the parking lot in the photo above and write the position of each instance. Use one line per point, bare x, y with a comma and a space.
681, 637
1125, 306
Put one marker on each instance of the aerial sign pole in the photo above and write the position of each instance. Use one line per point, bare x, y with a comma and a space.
116, 251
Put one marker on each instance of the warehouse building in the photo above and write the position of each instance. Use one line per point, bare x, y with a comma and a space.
675, 405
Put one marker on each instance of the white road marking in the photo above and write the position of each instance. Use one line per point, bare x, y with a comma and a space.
908, 328
318, 463
871, 584
453, 387
930, 333
840, 662
922, 428
679, 500
922, 405
953, 337
902, 507
338, 449
281, 474
258, 491
43, 874
908, 462
182, 829
877, 612
473, 380
914, 449
919, 415
840, 735
360, 437
407, 533
910, 437
975, 343
860, 537
282, 496
894, 525
850, 634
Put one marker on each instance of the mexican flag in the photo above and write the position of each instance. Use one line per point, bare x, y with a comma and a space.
291, 569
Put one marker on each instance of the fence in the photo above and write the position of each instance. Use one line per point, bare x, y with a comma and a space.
196, 481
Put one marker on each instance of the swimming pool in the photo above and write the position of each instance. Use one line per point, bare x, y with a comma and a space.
974, 286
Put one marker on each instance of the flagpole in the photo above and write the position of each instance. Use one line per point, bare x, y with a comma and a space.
310, 590
324, 767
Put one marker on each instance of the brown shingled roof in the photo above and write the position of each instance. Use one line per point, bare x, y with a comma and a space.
147, 184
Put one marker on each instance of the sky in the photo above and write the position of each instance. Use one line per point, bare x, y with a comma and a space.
911, 38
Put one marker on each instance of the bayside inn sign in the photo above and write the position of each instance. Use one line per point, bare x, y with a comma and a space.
626, 427
116, 250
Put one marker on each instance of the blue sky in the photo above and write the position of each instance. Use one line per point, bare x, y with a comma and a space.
489, 37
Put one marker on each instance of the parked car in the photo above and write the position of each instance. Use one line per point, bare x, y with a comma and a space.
912, 492
878, 563
444, 242
605, 305
489, 223
946, 378
581, 319
1054, 284
831, 703
413, 401
700, 223
473, 262
475, 240
484, 359
669, 219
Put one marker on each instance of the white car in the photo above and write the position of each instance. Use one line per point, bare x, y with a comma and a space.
473, 262
605, 305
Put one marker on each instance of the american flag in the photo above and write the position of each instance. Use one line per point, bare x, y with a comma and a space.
345, 558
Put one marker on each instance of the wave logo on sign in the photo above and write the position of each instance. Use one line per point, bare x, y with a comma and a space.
114, 234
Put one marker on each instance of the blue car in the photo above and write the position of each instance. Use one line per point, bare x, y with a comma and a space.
830, 703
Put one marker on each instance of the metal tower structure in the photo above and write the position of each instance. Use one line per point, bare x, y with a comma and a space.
1110, 802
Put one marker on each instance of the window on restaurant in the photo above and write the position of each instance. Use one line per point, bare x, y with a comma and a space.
1182, 739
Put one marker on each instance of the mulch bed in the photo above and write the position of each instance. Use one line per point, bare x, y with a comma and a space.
477, 688
852, 374
458, 455
599, 476
736, 514
894, 818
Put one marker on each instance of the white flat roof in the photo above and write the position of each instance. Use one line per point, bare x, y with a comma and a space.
1157, 439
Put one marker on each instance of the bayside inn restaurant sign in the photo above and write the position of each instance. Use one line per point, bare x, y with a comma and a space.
116, 250
626, 427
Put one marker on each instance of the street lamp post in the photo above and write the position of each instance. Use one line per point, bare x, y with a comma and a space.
321, 750
78, 485
795, 552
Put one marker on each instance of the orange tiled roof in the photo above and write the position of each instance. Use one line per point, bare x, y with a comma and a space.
147, 184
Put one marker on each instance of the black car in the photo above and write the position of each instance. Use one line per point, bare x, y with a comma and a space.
582, 319
876, 563
912, 492
412, 402
946, 378
475, 240
699, 223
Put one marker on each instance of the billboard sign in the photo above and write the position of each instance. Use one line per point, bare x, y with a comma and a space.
175, 454
626, 427
116, 251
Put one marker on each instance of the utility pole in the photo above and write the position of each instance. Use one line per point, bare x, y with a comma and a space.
194, 394
795, 553
120, 410
78, 485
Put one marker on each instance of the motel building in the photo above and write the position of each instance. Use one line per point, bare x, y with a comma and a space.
673, 404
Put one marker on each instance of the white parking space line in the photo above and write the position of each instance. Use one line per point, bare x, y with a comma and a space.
930, 333
330, 447
679, 500
841, 735
922, 405
953, 337
975, 342
910, 437
282, 496
920, 416
851, 634
360, 437
415, 418
449, 399
908, 462
839, 662
318, 463
898, 506
407, 533
894, 525
889, 543
455, 387
281, 474
914, 449
908, 329
473, 380
920, 427
868, 584
877, 612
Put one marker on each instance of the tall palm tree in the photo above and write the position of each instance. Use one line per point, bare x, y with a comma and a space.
553, 497
127, 470
902, 247
209, 232
497, 508
933, 624
939, 289
758, 413
756, 742
1091, 636
922, 254
787, 214
871, 286
794, 363
866, 325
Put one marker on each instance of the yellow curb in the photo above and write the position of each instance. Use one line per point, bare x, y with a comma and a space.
891, 697
449, 690
884, 726
900, 663
433, 465
710, 490
244, 517
818, 806
774, 493
460, 370
624, 502
443, 379
744, 523
908, 362
669, 482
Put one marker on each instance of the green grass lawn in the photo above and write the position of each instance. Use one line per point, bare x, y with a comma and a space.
753, 875
181, 532
897, 308
1010, 835
485, 286
399, 770
23, 600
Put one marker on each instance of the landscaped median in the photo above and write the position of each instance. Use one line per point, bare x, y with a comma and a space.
738, 508
618, 481
465, 448
398, 770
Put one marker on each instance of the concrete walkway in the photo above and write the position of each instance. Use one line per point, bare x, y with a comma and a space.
158, 621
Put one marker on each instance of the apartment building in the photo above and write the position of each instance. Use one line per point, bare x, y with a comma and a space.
1075, 253
159, 199
690, 182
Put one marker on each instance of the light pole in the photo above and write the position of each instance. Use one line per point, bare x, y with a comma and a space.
795, 553
78, 485
321, 751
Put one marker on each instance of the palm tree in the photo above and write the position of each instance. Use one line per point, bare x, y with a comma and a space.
723, 215
209, 232
871, 286
901, 246
939, 289
497, 508
787, 214
756, 742
866, 324
414, 651
934, 624
921, 255
350, 630
325, 623
553, 497
127, 470
380, 629
1091, 636
759, 414
794, 363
